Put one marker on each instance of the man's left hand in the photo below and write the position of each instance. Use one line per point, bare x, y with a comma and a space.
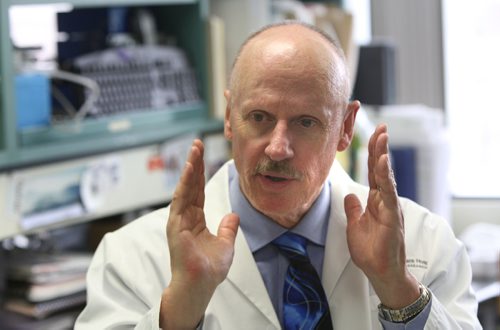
375, 236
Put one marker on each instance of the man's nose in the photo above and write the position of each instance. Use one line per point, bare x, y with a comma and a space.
279, 147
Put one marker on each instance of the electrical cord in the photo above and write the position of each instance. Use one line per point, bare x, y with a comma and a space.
84, 81
63, 101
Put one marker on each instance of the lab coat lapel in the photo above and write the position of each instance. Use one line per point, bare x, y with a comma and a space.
336, 250
244, 273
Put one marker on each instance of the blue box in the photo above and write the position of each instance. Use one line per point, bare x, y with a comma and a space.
33, 101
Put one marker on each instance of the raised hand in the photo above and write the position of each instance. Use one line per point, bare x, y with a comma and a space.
199, 260
375, 236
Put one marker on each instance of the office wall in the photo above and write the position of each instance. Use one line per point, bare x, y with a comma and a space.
415, 28
241, 17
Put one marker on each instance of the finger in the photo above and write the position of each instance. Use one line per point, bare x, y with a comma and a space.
386, 182
353, 208
187, 190
200, 200
381, 146
196, 159
228, 228
372, 155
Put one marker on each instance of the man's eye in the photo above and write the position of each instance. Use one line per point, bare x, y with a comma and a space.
258, 117
306, 122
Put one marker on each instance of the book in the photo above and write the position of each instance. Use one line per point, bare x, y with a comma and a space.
40, 268
43, 309
37, 277
62, 320
35, 292
217, 66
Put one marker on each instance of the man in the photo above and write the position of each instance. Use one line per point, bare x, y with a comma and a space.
383, 261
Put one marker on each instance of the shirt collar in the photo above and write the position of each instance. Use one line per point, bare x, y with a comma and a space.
259, 230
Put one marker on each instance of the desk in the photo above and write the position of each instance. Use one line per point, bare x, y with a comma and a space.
487, 294
486, 290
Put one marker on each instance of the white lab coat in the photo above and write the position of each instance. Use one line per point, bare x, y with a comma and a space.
131, 267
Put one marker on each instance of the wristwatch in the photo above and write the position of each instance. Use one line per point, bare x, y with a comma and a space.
407, 313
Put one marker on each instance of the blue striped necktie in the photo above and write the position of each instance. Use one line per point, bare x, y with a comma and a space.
304, 302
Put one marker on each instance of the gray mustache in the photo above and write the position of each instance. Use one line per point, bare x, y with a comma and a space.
283, 168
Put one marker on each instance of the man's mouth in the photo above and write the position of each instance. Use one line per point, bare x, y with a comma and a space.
275, 178
277, 171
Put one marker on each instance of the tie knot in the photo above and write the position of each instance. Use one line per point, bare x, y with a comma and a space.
292, 245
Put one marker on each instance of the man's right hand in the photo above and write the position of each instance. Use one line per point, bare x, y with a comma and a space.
199, 261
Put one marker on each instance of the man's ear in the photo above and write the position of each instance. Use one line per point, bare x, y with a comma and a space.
228, 132
348, 126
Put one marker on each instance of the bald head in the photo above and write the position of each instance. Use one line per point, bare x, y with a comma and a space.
293, 50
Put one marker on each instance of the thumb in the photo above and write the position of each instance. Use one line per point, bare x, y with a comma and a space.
228, 227
353, 208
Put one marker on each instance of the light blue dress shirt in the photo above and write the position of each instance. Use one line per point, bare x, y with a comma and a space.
260, 231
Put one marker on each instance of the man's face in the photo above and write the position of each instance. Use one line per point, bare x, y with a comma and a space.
285, 132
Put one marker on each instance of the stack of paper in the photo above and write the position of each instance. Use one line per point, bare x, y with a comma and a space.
41, 284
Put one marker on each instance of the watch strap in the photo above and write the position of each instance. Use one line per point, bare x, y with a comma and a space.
407, 313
